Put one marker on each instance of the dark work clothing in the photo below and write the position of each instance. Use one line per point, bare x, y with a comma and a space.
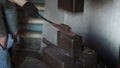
10, 14
7, 17
30, 10
3, 31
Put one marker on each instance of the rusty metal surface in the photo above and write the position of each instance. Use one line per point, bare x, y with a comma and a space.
70, 44
87, 59
27, 59
31, 62
71, 5
56, 58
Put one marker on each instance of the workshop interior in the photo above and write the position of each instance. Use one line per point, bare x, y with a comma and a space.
86, 35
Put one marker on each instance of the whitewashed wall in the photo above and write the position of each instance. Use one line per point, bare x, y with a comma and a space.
104, 28
99, 25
